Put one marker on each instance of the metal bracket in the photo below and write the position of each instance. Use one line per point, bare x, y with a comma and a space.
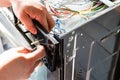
108, 3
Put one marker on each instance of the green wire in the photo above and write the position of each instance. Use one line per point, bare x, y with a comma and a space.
99, 7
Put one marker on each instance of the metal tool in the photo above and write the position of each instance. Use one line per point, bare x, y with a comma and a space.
51, 44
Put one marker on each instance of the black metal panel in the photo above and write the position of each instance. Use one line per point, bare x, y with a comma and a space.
110, 20
86, 55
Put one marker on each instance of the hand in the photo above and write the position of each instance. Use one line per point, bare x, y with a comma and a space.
19, 63
32, 9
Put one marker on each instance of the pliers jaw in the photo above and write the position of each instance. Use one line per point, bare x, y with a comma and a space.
51, 42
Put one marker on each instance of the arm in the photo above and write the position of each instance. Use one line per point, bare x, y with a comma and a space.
19, 63
28, 10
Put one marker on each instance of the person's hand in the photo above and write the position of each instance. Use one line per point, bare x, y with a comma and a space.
32, 9
19, 63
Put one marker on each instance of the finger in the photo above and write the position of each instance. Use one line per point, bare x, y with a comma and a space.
37, 63
41, 17
50, 21
37, 55
27, 21
34, 66
23, 50
42, 21
45, 19
39, 14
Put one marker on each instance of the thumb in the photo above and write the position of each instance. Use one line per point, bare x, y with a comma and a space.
37, 55
27, 21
